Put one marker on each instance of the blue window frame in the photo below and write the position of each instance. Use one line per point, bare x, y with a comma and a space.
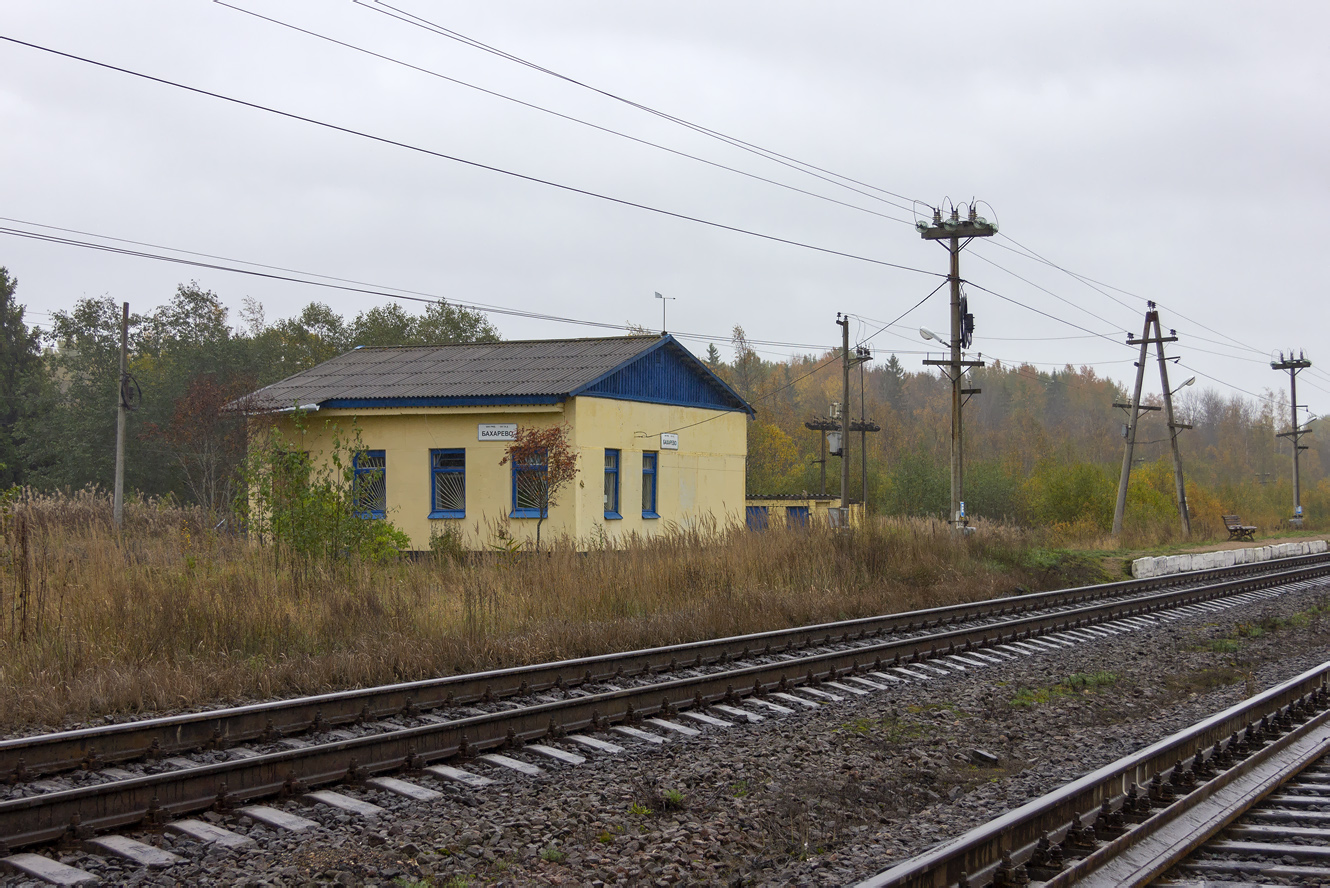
370, 484
612, 485
447, 483
649, 485
530, 487
757, 517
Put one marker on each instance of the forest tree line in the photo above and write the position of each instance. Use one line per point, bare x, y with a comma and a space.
1041, 448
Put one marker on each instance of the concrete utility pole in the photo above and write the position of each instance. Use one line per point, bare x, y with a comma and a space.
1133, 417
1295, 429
1173, 427
1135, 409
122, 409
954, 230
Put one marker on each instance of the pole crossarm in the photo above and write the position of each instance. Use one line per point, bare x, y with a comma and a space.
951, 363
1140, 407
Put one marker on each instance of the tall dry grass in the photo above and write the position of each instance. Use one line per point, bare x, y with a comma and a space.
168, 614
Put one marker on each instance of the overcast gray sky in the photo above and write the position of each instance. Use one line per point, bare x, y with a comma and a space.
1175, 151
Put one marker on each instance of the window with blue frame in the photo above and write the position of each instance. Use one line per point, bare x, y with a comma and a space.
612, 484
530, 487
649, 485
370, 484
448, 483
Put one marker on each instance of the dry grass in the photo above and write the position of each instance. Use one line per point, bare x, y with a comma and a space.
169, 614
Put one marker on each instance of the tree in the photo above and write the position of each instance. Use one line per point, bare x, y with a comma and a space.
72, 444
441, 324
206, 441
713, 356
20, 357
544, 465
747, 364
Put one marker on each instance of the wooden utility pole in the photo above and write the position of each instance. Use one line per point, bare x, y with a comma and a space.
121, 411
1295, 429
844, 322
954, 230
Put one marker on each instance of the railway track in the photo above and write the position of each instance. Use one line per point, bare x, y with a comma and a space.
1176, 808
78, 784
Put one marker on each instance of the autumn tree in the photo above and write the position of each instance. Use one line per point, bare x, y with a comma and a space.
206, 440
544, 466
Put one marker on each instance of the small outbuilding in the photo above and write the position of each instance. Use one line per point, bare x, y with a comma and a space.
659, 437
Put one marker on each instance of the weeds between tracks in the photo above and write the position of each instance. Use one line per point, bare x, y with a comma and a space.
169, 613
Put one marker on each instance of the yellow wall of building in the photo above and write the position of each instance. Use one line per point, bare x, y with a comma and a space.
703, 479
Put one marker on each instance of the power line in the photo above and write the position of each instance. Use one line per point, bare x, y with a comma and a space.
568, 117
472, 163
799, 165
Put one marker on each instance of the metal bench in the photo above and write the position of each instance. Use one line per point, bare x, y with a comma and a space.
1237, 530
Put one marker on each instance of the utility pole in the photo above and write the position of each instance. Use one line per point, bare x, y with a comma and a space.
862, 353
1173, 427
121, 412
1135, 408
954, 230
1296, 431
1133, 417
844, 322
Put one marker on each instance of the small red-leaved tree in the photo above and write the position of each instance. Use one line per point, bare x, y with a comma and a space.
544, 464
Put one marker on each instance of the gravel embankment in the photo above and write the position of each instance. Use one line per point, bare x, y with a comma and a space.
818, 797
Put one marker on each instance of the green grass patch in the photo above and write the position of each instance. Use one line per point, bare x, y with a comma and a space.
1076, 684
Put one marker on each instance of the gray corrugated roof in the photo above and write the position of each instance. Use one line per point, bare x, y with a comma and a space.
530, 368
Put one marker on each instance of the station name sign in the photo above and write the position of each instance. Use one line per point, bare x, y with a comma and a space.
669, 441
497, 431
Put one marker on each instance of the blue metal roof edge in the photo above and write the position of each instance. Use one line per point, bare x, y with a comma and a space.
665, 341
671, 403
466, 401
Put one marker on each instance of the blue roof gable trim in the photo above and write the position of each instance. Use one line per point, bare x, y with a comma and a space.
666, 373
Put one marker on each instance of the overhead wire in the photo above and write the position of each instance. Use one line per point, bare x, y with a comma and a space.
568, 117
471, 163
802, 166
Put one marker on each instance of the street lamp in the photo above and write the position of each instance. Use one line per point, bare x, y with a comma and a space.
1183, 386
929, 334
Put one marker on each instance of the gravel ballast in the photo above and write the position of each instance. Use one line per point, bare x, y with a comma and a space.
824, 796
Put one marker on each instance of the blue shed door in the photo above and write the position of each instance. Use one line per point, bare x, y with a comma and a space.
757, 517
796, 516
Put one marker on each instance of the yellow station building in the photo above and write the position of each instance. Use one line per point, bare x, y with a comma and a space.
659, 438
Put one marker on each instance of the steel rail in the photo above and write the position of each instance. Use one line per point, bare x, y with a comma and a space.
27, 757
50, 816
974, 858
